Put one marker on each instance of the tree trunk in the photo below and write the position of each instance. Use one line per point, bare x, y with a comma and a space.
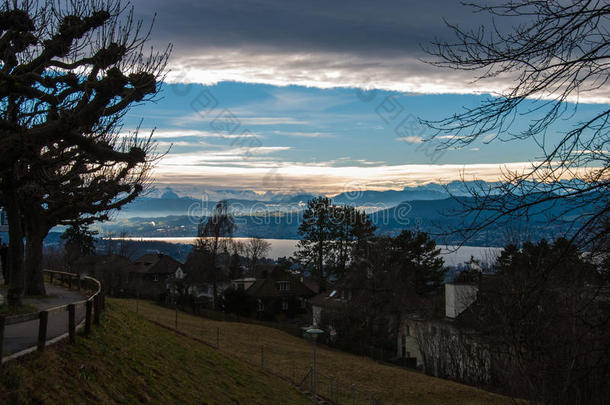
16, 287
33, 262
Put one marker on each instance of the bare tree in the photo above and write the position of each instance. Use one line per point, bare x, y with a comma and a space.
71, 71
556, 53
256, 249
217, 229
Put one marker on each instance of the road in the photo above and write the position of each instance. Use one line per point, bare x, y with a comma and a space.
25, 335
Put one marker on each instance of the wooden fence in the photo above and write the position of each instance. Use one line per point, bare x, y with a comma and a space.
94, 304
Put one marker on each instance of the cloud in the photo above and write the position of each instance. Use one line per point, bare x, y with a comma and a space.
239, 156
411, 139
304, 134
271, 121
404, 73
264, 174
186, 133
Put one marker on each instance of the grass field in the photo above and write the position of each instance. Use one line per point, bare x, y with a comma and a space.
291, 357
129, 360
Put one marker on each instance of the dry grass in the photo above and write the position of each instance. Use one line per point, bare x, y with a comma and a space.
292, 357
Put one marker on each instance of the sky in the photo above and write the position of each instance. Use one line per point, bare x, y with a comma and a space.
285, 96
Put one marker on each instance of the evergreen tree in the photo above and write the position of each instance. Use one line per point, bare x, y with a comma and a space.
417, 262
350, 227
78, 241
329, 234
316, 231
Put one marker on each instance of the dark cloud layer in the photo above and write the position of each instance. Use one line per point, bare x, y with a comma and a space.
363, 27
346, 43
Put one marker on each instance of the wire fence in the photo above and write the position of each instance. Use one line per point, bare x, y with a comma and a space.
260, 352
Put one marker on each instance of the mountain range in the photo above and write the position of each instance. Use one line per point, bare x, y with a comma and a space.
423, 208
169, 201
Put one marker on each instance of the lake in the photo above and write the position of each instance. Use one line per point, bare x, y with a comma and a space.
286, 247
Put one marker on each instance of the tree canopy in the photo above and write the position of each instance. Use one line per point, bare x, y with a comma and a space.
328, 235
70, 71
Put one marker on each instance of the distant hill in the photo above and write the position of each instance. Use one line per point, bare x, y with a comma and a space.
439, 217
387, 198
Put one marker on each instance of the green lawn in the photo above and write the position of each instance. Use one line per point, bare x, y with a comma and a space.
130, 360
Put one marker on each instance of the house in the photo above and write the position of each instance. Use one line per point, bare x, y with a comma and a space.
439, 341
152, 274
202, 292
333, 300
199, 280
278, 292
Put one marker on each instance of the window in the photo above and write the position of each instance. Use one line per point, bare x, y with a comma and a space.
407, 330
155, 277
261, 306
303, 302
283, 285
284, 305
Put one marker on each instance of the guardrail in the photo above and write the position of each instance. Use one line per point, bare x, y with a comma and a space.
94, 304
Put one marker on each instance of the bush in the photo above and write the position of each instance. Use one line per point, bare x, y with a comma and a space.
236, 301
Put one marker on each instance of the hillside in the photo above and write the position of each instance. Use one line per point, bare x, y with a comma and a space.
289, 356
129, 360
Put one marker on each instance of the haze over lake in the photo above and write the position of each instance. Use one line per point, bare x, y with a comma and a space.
286, 247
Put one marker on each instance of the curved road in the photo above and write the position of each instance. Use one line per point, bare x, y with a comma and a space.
22, 336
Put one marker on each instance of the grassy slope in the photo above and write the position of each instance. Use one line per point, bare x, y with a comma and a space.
129, 360
392, 385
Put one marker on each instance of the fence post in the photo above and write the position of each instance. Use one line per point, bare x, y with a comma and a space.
2, 325
353, 395
42, 329
69, 282
96, 309
218, 338
176, 317
262, 356
71, 322
51, 279
88, 306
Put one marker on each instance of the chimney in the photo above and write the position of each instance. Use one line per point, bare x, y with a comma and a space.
458, 297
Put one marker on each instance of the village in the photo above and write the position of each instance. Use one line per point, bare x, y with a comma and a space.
278, 202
